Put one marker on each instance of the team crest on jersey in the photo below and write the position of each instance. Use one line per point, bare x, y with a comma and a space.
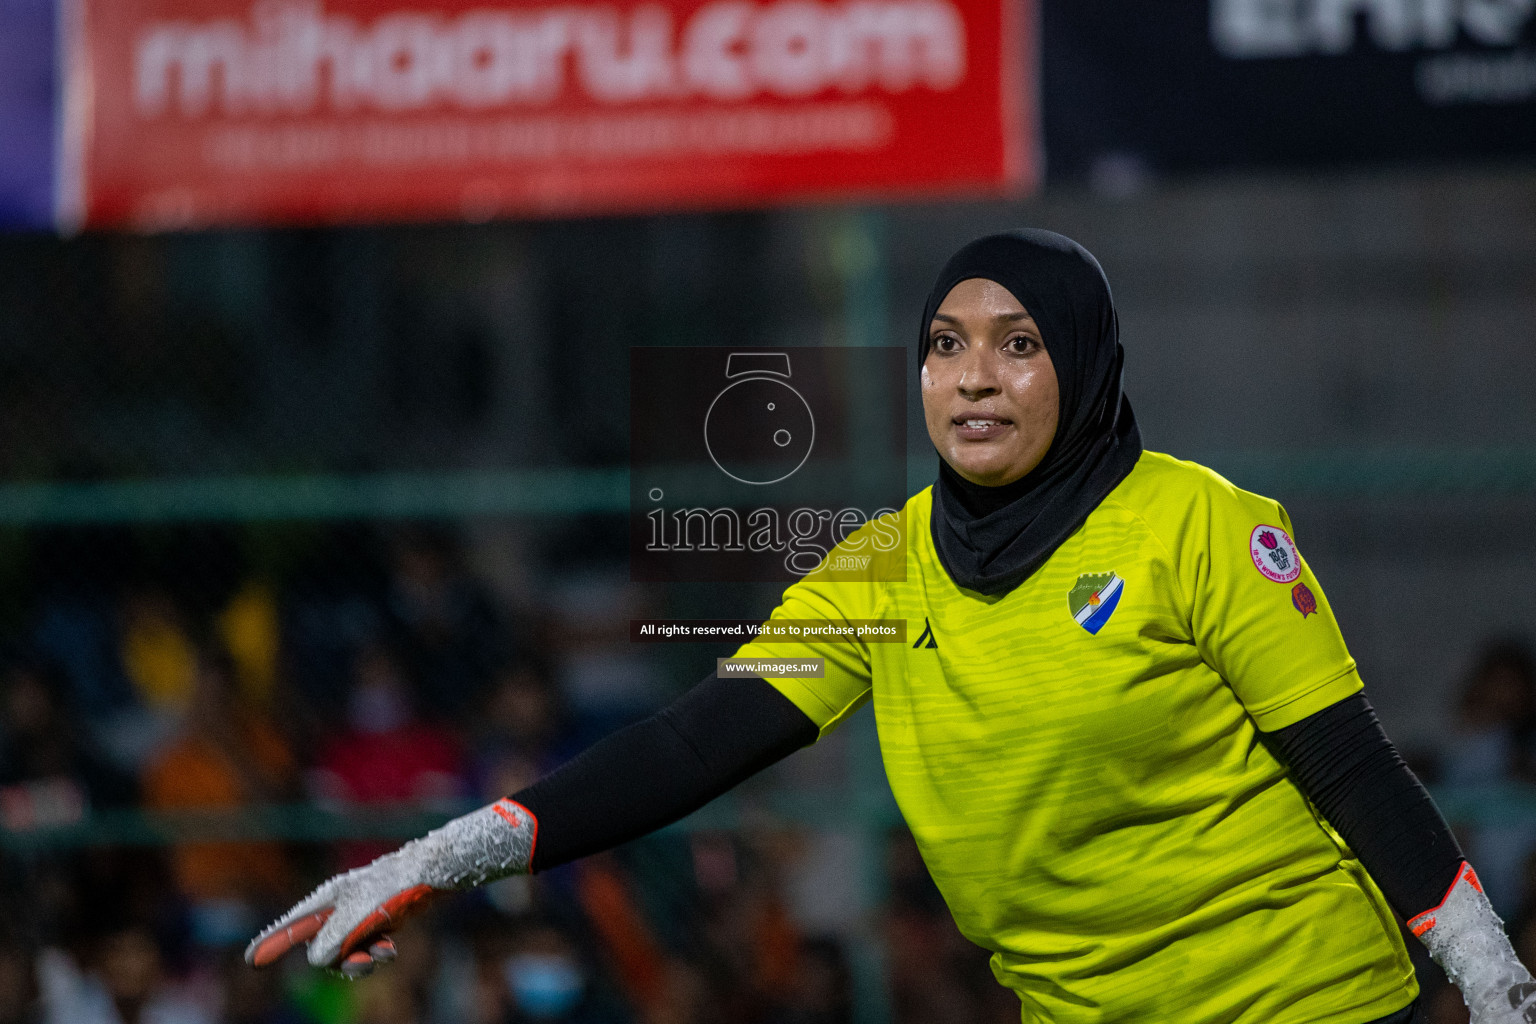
1274, 553
1094, 598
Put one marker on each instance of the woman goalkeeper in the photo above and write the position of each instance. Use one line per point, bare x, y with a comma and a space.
1130, 742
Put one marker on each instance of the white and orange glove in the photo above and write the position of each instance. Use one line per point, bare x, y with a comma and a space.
1466, 938
347, 920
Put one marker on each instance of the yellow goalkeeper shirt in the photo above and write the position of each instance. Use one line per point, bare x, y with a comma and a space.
1080, 761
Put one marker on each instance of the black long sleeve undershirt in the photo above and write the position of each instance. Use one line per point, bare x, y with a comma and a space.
723, 731
1342, 760
659, 770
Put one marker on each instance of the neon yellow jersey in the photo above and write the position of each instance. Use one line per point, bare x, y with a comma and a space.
1080, 761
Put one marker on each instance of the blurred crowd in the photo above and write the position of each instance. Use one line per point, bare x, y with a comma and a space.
375, 671
1489, 758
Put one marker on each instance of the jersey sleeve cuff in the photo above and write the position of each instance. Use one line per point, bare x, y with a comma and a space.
1293, 708
813, 707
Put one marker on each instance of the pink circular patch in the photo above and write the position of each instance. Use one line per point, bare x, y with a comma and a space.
1274, 553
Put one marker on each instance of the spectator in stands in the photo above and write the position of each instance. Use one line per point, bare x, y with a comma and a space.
448, 627
937, 975
521, 732
750, 947
254, 997
406, 999
1496, 718
19, 1003
387, 753
611, 903
1493, 746
79, 571
331, 605
125, 982
821, 992
606, 681
548, 980
50, 773
1522, 927
227, 754
248, 626
158, 650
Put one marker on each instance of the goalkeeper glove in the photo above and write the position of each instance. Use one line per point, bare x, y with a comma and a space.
347, 920
1466, 938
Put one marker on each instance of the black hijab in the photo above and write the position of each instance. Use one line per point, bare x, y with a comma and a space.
991, 539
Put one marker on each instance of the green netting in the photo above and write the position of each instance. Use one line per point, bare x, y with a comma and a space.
1355, 474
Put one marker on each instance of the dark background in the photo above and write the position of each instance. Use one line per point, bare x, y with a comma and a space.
320, 536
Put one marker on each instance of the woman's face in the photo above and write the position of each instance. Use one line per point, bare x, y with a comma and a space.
989, 390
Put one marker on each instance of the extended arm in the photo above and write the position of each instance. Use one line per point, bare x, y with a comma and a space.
1342, 760
631, 783
651, 774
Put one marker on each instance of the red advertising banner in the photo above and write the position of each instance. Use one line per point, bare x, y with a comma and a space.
192, 112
